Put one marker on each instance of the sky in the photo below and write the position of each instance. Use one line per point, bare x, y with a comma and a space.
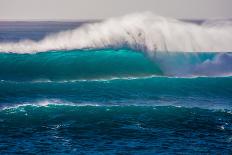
101, 9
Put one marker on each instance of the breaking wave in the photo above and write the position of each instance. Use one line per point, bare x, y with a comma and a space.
79, 65
144, 32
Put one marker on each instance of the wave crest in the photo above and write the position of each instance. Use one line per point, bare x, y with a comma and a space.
145, 32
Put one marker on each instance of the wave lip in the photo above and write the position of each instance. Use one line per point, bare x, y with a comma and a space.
142, 31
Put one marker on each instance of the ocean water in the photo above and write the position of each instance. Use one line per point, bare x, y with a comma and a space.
78, 92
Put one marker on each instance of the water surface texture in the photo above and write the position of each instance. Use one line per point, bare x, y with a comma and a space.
78, 92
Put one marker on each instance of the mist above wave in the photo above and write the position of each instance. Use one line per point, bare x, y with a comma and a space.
141, 31
192, 65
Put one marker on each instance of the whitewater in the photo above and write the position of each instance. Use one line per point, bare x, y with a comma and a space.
137, 84
144, 32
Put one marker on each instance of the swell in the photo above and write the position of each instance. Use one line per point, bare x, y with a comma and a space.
144, 32
108, 64
35, 111
202, 92
76, 65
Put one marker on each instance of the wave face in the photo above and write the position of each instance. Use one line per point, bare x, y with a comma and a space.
139, 84
144, 32
76, 65
108, 64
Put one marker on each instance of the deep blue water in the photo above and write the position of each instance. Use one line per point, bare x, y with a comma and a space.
113, 101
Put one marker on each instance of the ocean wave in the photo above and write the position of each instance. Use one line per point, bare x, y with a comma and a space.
144, 32
110, 64
57, 105
201, 92
219, 65
195, 65
58, 126
76, 65
111, 79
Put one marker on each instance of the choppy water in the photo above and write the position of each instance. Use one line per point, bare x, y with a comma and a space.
115, 129
113, 100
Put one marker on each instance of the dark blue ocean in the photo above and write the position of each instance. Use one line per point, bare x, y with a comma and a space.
111, 100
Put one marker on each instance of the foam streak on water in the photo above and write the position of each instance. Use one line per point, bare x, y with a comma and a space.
138, 84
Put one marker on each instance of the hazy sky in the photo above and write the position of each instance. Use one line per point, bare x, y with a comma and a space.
99, 9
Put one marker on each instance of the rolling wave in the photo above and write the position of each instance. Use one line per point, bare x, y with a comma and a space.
106, 64
144, 32
209, 93
76, 65
114, 85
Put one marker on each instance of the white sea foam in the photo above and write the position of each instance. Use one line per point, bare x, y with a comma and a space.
221, 65
218, 66
47, 103
145, 32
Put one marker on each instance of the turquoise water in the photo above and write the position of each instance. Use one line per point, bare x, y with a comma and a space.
115, 101
76, 65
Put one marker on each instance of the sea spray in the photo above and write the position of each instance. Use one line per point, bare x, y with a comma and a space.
144, 32
139, 84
